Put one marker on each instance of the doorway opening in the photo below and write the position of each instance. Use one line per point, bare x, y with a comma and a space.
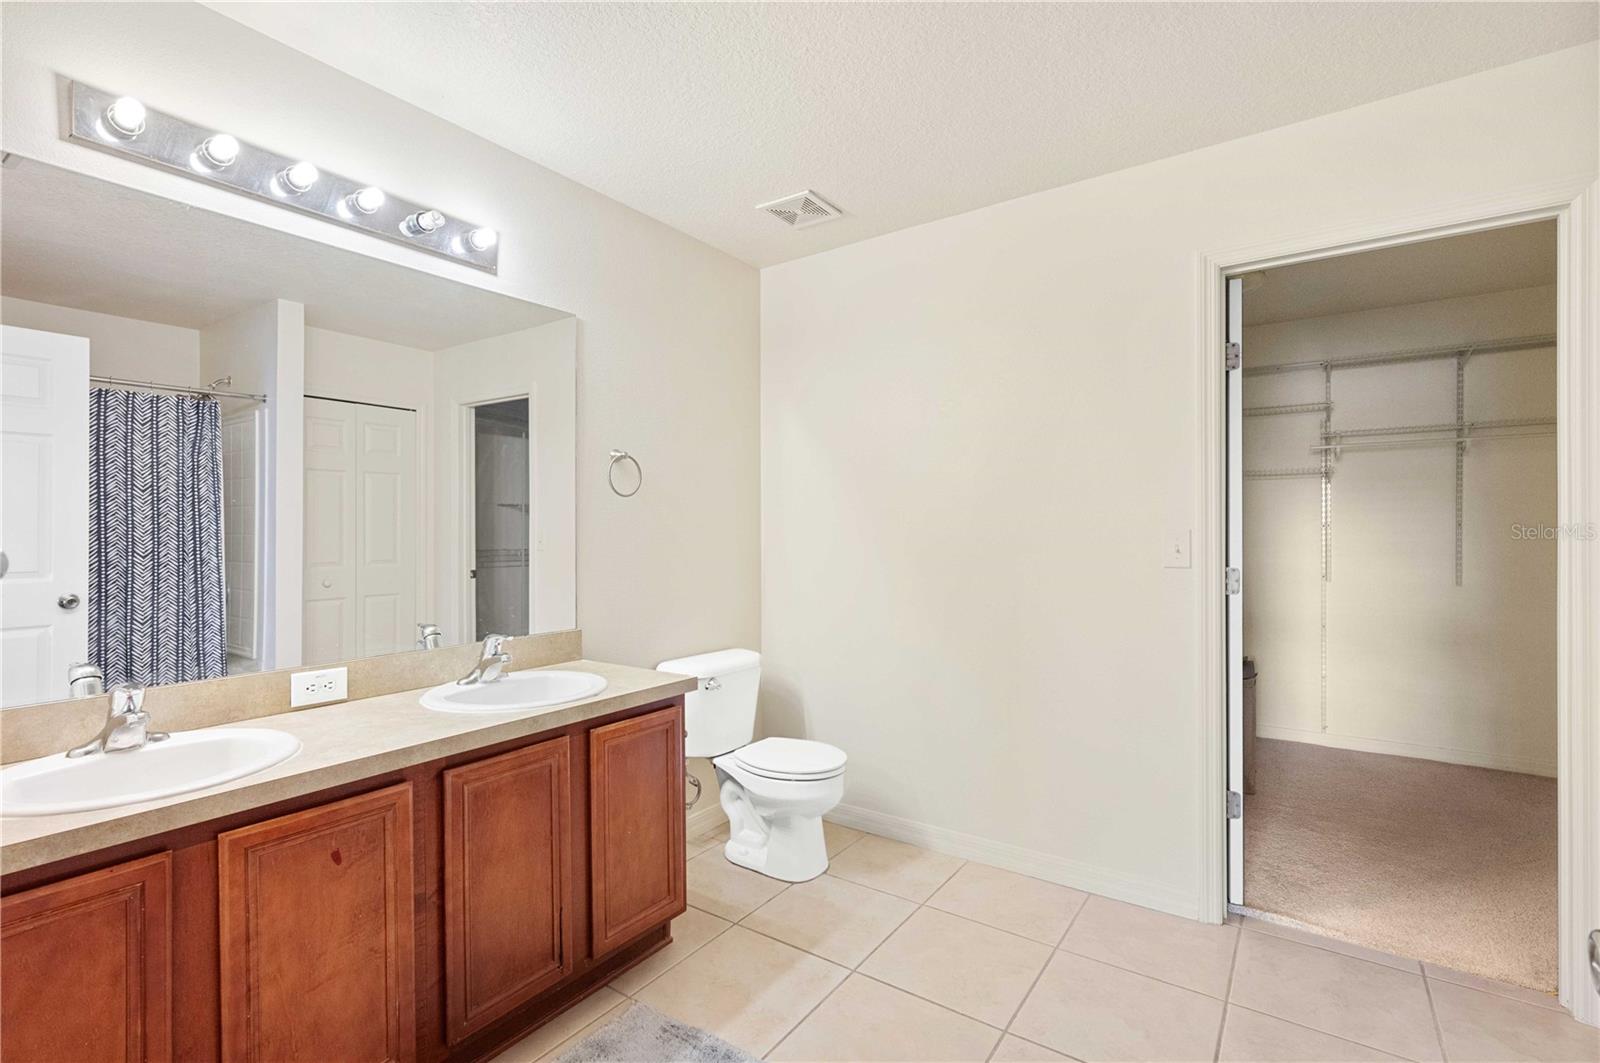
1393, 513
501, 517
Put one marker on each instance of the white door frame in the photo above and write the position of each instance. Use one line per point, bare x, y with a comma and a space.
467, 504
1574, 205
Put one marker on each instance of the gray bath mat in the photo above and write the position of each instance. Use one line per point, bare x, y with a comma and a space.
644, 1035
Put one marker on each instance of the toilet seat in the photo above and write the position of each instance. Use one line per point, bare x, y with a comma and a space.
791, 759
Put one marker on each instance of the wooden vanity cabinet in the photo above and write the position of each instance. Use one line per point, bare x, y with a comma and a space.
432, 914
508, 882
636, 823
87, 974
315, 912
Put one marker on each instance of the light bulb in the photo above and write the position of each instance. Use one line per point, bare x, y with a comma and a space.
219, 150
423, 222
299, 177
482, 239
366, 200
125, 116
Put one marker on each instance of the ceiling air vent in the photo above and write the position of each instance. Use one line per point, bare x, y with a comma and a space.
801, 209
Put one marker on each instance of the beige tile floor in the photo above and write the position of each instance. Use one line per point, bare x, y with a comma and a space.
898, 953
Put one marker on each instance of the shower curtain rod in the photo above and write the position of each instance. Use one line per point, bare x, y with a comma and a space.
151, 385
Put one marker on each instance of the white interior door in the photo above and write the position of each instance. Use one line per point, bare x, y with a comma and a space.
386, 527
328, 621
44, 512
360, 530
1235, 588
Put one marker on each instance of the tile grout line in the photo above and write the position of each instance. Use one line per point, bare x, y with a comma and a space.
653, 979
917, 906
1557, 1008
859, 835
604, 1019
1313, 944
1042, 968
1324, 1033
1340, 952
1433, 1013
811, 1011
1141, 974
1227, 992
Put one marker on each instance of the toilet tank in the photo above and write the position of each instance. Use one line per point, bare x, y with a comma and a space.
721, 715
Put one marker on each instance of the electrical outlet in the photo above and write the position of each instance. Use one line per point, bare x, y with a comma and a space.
316, 688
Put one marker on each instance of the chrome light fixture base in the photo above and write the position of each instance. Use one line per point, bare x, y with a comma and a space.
173, 144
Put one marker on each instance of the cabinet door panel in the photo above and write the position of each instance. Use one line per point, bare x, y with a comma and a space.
316, 916
507, 882
635, 826
85, 967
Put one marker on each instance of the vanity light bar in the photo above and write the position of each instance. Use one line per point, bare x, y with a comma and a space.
123, 126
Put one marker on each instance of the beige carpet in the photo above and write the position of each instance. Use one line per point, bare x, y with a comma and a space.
1449, 864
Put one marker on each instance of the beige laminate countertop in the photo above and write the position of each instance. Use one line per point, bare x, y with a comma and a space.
340, 743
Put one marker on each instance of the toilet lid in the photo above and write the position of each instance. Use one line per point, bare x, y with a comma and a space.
791, 758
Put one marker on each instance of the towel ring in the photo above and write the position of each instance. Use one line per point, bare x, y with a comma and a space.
611, 473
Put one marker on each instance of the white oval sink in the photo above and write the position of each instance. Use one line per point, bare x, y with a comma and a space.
189, 760
515, 691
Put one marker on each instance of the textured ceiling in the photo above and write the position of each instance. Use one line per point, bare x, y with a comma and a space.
1496, 260
178, 265
897, 113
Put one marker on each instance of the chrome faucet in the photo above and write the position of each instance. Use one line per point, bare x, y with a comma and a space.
429, 637
126, 725
490, 665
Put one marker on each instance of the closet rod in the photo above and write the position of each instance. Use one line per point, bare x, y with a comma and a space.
1427, 441
151, 385
1447, 426
1416, 354
1295, 407
1314, 472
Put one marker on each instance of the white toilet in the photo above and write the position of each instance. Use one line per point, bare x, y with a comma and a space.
774, 791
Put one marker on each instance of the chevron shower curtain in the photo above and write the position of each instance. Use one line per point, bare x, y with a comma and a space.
155, 538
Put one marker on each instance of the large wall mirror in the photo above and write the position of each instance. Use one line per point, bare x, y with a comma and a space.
227, 449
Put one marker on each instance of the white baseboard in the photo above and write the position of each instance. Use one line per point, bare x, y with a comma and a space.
706, 815
1470, 757
1087, 877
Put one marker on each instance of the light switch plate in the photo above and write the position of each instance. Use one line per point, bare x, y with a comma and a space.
1176, 553
317, 688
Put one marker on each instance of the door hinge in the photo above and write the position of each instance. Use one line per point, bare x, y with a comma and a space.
1232, 355
1235, 805
1231, 580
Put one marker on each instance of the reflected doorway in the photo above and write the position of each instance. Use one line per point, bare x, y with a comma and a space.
501, 517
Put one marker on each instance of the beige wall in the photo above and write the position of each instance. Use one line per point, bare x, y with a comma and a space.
359, 369
1416, 665
118, 346
978, 436
667, 327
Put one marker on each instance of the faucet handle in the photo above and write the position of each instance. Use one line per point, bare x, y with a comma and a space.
493, 645
127, 700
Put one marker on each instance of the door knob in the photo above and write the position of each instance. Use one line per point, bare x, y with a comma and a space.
68, 601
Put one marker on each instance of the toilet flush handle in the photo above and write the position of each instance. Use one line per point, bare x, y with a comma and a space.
711, 683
